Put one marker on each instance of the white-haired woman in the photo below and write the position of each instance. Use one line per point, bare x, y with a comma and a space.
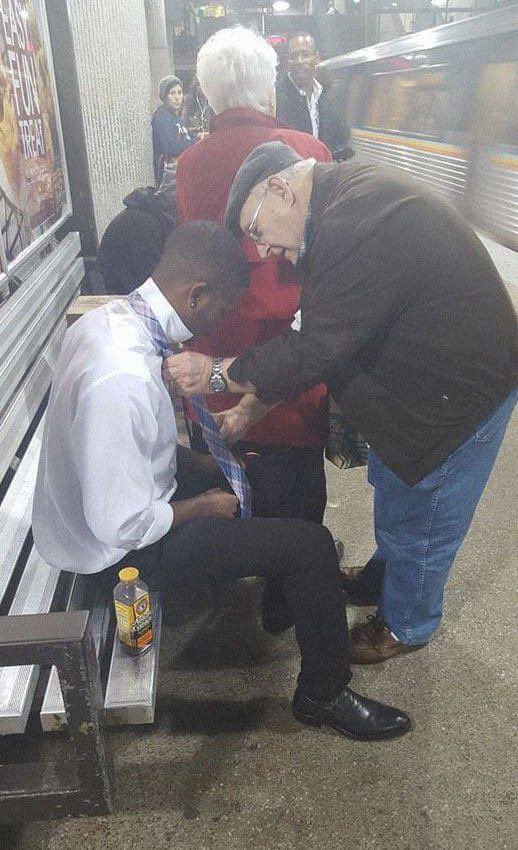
236, 69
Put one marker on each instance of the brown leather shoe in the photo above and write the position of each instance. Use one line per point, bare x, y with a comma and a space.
372, 642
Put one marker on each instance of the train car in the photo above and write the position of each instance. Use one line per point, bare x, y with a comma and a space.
443, 104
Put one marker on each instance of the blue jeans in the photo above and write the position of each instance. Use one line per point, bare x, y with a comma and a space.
419, 529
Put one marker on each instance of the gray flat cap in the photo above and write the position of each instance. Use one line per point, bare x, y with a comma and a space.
264, 161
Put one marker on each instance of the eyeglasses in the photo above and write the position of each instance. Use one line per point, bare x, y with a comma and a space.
250, 231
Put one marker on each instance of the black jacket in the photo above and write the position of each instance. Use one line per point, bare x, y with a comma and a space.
292, 110
404, 316
133, 241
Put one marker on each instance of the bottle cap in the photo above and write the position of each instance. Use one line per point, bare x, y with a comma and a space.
129, 574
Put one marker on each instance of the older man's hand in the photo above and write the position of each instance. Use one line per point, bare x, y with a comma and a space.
235, 422
188, 373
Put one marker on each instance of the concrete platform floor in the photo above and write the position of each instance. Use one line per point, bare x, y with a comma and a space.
226, 767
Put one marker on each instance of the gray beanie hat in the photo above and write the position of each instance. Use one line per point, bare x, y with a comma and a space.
166, 84
264, 161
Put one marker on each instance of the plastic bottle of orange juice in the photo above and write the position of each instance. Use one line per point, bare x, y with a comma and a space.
134, 612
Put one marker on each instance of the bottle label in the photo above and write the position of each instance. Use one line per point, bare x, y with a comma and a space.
134, 622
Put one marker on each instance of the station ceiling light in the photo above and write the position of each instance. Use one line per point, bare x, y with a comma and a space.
280, 5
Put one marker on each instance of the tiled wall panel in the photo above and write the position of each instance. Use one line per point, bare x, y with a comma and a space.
111, 49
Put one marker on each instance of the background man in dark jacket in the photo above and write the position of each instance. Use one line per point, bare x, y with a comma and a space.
406, 319
302, 103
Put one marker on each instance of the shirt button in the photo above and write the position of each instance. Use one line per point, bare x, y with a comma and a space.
445, 398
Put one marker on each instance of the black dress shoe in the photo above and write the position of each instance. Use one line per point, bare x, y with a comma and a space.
276, 614
353, 715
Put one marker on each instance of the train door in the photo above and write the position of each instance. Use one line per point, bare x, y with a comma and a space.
493, 184
345, 92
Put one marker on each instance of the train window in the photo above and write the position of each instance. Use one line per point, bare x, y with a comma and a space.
412, 101
496, 112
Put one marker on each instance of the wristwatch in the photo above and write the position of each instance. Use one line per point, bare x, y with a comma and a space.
217, 381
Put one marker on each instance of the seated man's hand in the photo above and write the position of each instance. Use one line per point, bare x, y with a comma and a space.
188, 373
217, 503
212, 503
235, 422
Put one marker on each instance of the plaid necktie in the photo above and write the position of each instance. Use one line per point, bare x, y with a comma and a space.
226, 461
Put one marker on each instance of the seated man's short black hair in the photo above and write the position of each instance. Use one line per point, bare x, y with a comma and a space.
204, 251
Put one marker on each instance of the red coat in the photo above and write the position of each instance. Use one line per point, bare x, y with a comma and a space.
204, 177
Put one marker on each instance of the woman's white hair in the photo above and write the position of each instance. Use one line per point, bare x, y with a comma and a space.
237, 67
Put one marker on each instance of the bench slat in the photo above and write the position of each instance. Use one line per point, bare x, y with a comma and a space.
37, 291
26, 348
131, 689
28, 399
15, 510
17, 684
52, 715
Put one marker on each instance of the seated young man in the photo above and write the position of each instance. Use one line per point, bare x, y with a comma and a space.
107, 491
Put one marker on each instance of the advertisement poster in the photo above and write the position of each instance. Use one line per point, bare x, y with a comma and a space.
33, 195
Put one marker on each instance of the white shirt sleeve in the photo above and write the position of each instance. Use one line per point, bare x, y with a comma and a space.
113, 432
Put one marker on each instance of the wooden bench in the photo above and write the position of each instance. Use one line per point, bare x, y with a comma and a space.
42, 624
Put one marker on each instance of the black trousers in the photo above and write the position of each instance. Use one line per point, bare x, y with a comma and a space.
299, 553
286, 481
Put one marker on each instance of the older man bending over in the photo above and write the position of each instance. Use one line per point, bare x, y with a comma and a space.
406, 319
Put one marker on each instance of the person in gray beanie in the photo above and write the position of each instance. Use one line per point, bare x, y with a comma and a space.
170, 135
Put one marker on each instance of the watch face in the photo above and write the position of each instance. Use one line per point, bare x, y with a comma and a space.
217, 383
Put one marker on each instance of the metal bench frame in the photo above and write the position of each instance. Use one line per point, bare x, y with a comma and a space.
26, 791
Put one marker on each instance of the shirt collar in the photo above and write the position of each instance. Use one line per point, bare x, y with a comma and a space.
306, 233
172, 325
315, 93
305, 237
317, 90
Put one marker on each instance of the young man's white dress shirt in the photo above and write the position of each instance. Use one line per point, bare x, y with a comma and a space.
108, 457
108, 471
